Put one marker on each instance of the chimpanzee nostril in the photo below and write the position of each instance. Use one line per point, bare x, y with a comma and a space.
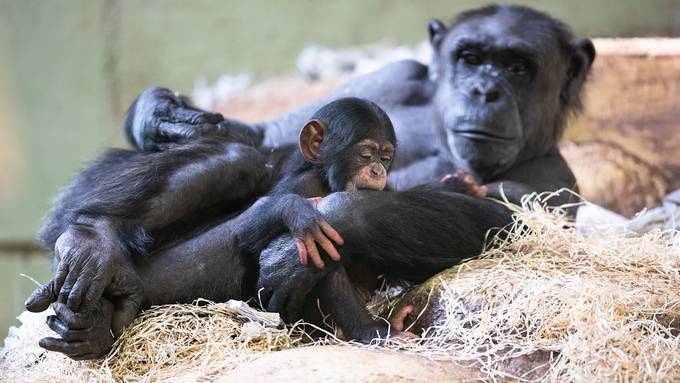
487, 95
492, 95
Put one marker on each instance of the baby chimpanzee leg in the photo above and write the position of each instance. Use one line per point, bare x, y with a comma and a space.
341, 300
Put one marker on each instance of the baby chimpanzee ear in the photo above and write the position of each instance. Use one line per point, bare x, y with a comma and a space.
311, 136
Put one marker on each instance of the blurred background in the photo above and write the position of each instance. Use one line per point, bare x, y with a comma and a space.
68, 70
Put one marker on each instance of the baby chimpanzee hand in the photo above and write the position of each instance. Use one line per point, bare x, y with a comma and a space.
308, 228
463, 182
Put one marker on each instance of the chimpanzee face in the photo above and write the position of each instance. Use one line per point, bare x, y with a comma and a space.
371, 161
352, 143
506, 79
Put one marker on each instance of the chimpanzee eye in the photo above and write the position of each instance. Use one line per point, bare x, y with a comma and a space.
385, 159
365, 156
471, 58
518, 68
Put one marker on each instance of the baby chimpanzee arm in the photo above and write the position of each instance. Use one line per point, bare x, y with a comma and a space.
270, 216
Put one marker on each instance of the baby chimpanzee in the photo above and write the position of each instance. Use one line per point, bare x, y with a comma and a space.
348, 145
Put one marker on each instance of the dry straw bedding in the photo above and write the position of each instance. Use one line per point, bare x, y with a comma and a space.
604, 306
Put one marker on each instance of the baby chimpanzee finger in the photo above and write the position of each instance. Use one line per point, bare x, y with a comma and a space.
313, 252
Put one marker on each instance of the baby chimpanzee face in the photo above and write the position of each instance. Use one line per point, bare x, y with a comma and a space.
372, 160
351, 143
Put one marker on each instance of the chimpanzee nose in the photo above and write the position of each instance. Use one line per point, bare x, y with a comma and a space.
377, 170
490, 94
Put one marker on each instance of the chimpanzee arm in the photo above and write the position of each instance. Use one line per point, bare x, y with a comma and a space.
116, 205
275, 214
548, 173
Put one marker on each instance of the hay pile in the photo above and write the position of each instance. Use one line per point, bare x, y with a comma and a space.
166, 343
552, 304
568, 306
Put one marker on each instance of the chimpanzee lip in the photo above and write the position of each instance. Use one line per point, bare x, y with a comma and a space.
480, 135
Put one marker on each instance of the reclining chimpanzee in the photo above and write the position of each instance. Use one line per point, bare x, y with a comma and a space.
502, 81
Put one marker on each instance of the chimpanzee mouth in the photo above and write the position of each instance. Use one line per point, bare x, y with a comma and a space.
480, 135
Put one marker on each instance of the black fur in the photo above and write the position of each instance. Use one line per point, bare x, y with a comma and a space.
459, 113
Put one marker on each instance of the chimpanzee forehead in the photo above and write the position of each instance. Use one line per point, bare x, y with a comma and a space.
505, 30
376, 133
375, 145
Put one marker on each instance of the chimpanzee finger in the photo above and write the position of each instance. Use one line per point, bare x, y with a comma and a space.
58, 326
75, 298
95, 291
331, 233
67, 287
313, 252
482, 191
195, 117
60, 276
326, 244
302, 251
63, 346
74, 320
175, 131
85, 356
41, 298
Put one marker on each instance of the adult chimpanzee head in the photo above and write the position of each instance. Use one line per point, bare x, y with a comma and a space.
507, 78
353, 142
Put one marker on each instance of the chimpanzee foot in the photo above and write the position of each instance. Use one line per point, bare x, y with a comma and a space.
397, 320
464, 183
159, 119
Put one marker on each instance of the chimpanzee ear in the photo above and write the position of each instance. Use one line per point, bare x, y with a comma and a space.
311, 136
583, 55
437, 31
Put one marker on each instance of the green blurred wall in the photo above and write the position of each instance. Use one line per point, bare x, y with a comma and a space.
68, 69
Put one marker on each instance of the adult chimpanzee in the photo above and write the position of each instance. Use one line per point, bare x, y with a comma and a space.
502, 81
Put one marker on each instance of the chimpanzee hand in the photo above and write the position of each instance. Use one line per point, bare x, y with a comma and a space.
283, 283
161, 119
84, 335
89, 266
465, 183
308, 227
